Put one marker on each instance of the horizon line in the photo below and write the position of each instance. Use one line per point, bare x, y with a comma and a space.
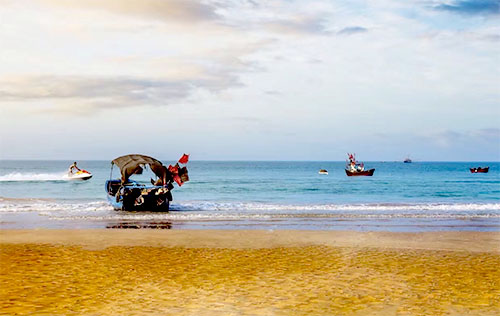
258, 160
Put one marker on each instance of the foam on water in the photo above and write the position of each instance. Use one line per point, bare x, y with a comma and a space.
18, 176
49, 207
34, 213
251, 206
229, 210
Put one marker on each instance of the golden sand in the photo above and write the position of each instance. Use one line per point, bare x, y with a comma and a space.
58, 279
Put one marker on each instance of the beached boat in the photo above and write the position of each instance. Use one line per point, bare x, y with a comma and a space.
479, 170
129, 195
323, 171
354, 168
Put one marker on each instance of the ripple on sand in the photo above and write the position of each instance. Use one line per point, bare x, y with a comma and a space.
319, 280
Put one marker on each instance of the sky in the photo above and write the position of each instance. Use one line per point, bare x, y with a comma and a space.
250, 80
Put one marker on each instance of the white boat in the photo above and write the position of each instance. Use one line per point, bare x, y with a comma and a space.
323, 171
80, 175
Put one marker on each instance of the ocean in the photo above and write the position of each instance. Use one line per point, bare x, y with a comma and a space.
414, 197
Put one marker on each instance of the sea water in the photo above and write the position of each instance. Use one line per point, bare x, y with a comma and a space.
419, 196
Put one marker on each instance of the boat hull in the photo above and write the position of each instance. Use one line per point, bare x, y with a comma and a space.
80, 175
366, 173
480, 170
134, 197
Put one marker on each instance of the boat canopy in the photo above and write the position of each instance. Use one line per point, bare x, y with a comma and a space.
133, 164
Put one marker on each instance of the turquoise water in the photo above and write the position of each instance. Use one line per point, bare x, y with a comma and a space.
264, 195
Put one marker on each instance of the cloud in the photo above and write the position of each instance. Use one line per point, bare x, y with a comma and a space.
99, 69
194, 11
94, 93
298, 26
352, 30
471, 6
178, 10
489, 134
247, 119
451, 138
277, 18
491, 37
273, 92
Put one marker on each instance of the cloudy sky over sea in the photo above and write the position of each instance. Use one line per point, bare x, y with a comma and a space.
244, 80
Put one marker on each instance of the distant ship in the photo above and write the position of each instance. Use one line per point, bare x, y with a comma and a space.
479, 170
323, 171
407, 160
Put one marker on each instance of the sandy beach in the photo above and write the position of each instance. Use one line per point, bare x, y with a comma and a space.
205, 272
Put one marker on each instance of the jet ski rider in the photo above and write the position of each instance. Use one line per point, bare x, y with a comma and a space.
72, 168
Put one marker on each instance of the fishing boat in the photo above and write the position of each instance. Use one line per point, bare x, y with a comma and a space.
323, 171
479, 170
126, 194
355, 168
368, 173
407, 160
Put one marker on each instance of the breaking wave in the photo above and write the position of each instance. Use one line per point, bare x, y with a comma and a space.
51, 207
394, 207
207, 210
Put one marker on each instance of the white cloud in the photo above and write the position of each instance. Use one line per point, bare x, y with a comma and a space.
191, 11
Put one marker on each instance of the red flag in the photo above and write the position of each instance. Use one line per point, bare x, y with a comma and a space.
173, 169
178, 179
184, 159
175, 174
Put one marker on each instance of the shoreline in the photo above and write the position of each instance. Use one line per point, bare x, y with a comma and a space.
101, 238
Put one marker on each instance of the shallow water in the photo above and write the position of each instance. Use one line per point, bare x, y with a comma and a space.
420, 196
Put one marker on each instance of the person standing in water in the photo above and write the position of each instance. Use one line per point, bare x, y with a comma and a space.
72, 168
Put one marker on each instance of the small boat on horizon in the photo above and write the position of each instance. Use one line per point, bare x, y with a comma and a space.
407, 160
323, 171
480, 170
354, 168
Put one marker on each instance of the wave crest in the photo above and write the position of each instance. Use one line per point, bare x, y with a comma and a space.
210, 209
374, 207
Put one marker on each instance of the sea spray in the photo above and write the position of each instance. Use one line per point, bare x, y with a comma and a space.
18, 176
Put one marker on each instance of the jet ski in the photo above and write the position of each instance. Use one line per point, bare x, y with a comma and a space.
80, 175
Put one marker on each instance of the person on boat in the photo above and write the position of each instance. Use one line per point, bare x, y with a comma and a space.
352, 166
72, 168
360, 167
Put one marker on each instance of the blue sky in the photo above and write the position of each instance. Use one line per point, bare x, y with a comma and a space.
250, 80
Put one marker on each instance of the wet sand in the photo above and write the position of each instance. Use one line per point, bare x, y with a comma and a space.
145, 272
